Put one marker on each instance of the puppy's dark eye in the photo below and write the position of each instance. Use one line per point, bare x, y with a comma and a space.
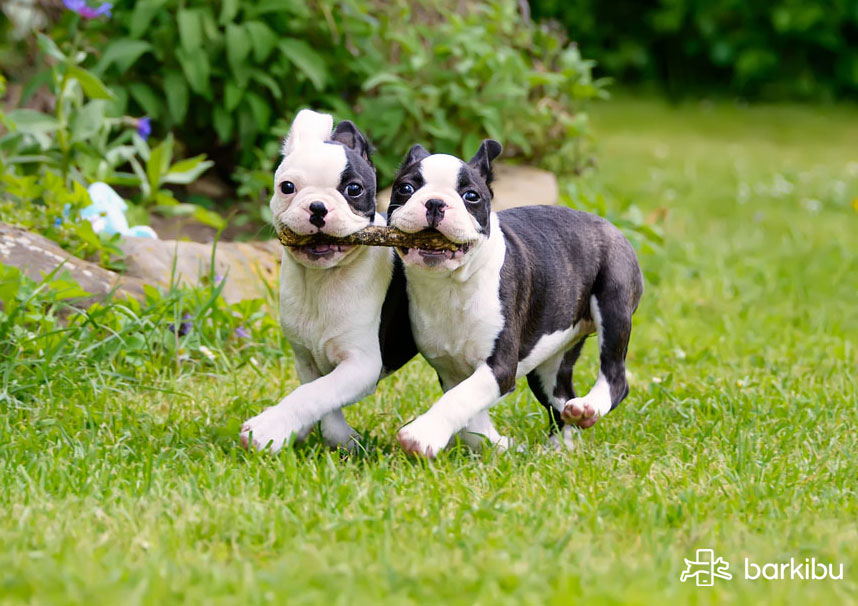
287, 187
471, 196
354, 190
406, 189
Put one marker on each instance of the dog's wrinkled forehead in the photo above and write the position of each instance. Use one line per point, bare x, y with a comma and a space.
441, 171
317, 163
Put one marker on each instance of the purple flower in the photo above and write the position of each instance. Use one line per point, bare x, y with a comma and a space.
144, 127
218, 279
241, 332
86, 11
184, 327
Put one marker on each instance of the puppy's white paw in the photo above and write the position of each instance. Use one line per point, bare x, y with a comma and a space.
270, 429
339, 434
583, 412
564, 440
424, 436
477, 441
505, 444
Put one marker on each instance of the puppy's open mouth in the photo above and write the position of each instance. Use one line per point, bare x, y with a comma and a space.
427, 253
319, 251
436, 255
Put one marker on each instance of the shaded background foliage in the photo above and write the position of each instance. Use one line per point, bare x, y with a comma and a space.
784, 49
225, 77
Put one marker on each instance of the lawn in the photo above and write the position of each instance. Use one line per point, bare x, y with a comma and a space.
740, 433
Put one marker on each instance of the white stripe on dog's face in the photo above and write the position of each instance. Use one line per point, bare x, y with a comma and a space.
315, 164
441, 172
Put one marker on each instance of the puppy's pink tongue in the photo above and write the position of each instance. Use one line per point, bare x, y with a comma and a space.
321, 249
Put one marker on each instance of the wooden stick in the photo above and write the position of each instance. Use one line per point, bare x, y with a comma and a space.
374, 235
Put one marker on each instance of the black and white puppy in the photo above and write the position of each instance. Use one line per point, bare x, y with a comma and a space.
343, 309
518, 298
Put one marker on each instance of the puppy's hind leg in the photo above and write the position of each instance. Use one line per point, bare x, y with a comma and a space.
551, 383
612, 314
480, 430
337, 432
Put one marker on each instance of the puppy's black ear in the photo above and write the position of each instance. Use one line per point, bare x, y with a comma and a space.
415, 154
349, 135
482, 160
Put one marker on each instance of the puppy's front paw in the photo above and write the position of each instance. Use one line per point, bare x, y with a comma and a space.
269, 429
423, 437
581, 412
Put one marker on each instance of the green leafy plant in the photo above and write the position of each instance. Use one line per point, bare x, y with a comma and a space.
45, 204
464, 75
72, 141
155, 169
79, 140
161, 334
47, 158
225, 75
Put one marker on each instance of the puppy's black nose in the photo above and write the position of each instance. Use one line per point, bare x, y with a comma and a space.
434, 211
318, 210
435, 205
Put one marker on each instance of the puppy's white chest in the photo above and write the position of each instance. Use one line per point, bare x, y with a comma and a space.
458, 328
311, 316
334, 312
455, 324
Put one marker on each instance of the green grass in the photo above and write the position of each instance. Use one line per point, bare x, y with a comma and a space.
740, 432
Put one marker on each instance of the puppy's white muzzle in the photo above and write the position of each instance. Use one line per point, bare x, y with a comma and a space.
320, 210
451, 218
445, 212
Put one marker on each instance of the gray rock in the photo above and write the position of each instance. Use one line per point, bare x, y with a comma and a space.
249, 269
36, 256
514, 185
